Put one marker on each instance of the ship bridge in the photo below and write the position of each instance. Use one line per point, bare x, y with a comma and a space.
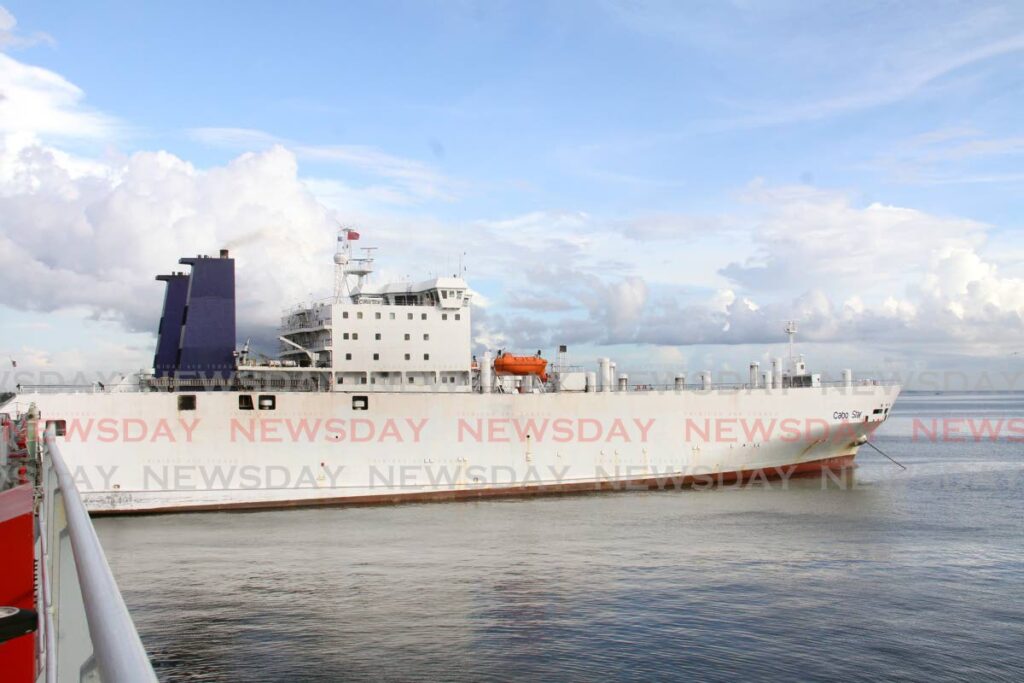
442, 292
409, 335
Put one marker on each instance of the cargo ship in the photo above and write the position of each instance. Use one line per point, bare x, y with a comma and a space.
375, 396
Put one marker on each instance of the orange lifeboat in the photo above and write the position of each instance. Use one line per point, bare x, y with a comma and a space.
507, 364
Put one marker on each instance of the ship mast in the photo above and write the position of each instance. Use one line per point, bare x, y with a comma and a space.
345, 265
341, 259
791, 331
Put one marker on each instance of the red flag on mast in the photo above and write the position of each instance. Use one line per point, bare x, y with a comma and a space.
352, 234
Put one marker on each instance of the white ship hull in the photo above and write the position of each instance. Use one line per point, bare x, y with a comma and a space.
137, 452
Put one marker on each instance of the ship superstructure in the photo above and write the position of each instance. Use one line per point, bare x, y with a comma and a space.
368, 337
375, 396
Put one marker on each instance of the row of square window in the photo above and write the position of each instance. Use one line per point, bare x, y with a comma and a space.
423, 316
245, 402
376, 356
411, 380
355, 335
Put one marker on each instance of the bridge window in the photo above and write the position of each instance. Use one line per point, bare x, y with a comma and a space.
377, 336
458, 316
267, 402
391, 316
355, 335
359, 315
376, 356
360, 403
407, 337
344, 314
345, 336
408, 357
444, 316
423, 316
348, 356
187, 402
376, 316
426, 337
245, 402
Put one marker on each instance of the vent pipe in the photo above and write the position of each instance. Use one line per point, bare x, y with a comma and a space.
486, 383
605, 374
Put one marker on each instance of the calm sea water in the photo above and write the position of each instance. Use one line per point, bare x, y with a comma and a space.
915, 575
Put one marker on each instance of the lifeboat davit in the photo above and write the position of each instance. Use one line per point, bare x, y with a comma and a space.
507, 364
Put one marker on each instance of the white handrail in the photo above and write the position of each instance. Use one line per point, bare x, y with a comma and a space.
46, 600
120, 656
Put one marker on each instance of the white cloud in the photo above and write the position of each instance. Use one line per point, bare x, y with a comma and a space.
411, 181
87, 240
10, 37
807, 236
40, 102
879, 273
564, 281
93, 232
952, 156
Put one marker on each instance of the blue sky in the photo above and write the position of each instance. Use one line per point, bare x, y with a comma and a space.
664, 182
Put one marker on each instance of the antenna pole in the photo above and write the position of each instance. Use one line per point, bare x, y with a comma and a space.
342, 255
791, 331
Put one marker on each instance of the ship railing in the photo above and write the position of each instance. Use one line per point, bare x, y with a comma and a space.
81, 605
59, 388
304, 327
306, 305
565, 369
286, 348
746, 386
301, 380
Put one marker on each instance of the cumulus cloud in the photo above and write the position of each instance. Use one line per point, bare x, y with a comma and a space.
68, 240
878, 273
92, 233
84, 237
808, 235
